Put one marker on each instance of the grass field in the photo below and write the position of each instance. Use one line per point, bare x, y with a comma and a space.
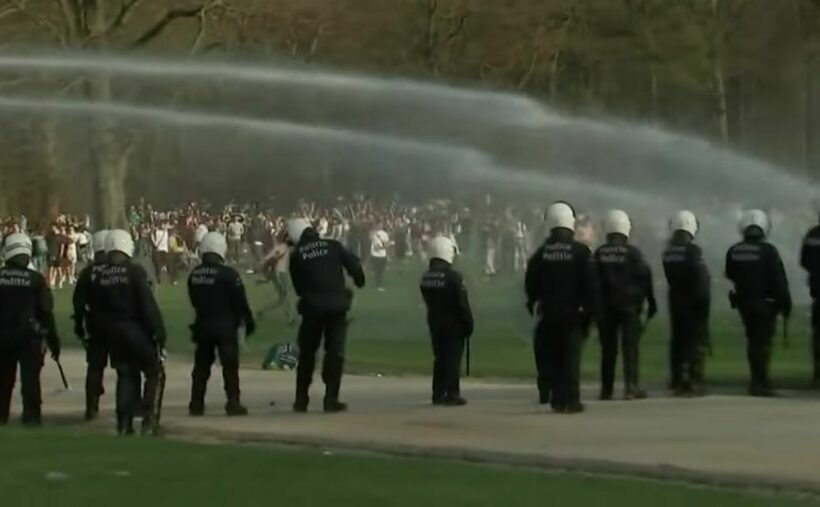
389, 335
46, 468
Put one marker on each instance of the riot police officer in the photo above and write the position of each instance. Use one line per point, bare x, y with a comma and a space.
560, 288
810, 261
317, 268
221, 305
26, 318
128, 315
625, 281
761, 293
88, 330
449, 320
689, 301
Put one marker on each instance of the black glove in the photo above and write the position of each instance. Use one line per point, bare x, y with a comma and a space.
733, 299
250, 329
586, 325
55, 353
652, 310
530, 307
79, 330
787, 311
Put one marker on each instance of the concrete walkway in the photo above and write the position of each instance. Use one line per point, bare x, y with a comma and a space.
718, 439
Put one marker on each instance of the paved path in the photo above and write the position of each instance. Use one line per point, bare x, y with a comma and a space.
725, 439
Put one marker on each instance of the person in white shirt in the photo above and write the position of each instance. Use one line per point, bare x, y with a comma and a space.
521, 252
201, 231
235, 233
160, 241
323, 227
379, 246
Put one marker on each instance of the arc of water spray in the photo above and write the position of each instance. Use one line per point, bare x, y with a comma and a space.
498, 107
467, 163
515, 107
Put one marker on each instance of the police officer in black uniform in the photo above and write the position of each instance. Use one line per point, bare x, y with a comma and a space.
560, 288
317, 269
810, 260
88, 330
221, 305
761, 293
449, 319
625, 284
128, 315
689, 301
26, 318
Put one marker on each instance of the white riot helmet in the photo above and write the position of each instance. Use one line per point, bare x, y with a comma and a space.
617, 222
442, 248
98, 240
296, 227
754, 218
684, 221
560, 215
214, 243
119, 240
16, 244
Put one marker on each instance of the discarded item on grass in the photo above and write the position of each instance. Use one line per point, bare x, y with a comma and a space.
281, 357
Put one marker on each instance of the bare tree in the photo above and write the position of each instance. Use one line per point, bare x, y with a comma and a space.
105, 25
442, 30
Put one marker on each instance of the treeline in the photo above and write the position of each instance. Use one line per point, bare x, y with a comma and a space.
740, 72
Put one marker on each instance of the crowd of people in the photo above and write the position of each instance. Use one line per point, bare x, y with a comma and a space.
500, 237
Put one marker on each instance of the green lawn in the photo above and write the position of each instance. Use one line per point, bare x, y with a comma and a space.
49, 468
389, 335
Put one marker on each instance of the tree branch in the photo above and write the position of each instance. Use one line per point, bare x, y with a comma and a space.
458, 26
71, 15
172, 15
9, 10
122, 15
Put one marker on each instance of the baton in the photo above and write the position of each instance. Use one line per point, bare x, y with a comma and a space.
467, 372
62, 375
786, 333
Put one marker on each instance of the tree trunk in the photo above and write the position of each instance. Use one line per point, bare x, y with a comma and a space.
655, 91
718, 77
109, 155
52, 181
555, 69
808, 115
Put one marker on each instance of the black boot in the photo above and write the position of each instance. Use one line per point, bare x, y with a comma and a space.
574, 408
455, 401
125, 426
196, 409
235, 409
334, 406
92, 408
301, 404
149, 426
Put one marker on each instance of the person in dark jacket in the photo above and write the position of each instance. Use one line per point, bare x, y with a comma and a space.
449, 320
761, 293
218, 296
26, 319
317, 270
689, 302
87, 328
625, 284
560, 289
810, 261
129, 317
